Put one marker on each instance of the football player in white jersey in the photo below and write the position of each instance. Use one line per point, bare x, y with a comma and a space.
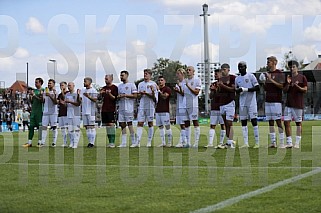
72, 100
50, 113
246, 85
181, 106
191, 90
147, 92
88, 98
127, 94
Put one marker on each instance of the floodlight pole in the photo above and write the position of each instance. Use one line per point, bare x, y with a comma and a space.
206, 57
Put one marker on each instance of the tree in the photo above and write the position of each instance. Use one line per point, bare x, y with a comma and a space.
167, 68
288, 57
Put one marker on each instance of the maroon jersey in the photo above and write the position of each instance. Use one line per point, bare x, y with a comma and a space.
273, 93
226, 96
109, 105
215, 102
62, 107
294, 97
163, 104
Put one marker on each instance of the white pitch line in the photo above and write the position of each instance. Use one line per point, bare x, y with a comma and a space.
153, 166
268, 188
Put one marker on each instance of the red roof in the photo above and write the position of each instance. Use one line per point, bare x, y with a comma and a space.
318, 67
18, 86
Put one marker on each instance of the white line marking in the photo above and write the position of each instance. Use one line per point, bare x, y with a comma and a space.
268, 188
153, 166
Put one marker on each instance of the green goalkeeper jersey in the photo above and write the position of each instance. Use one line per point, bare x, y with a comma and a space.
36, 104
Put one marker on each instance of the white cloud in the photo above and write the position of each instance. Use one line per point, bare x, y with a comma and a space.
34, 26
252, 16
194, 53
21, 53
305, 51
313, 33
249, 8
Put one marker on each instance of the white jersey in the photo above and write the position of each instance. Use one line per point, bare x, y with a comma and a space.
181, 99
191, 98
72, 110
145, 101
88, 107
247, 81
126, 104
49, 108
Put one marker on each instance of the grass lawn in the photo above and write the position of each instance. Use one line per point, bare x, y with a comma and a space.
159, 179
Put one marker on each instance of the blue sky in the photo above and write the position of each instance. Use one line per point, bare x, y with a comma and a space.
91, 38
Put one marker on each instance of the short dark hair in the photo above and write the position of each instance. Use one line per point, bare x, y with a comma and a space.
293, 62
52, 80
125, 72
225, 66
160, 77
63, 82
40, 80
217, 70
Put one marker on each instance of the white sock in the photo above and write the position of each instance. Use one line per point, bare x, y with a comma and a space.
289, 140
76, 138
88, 133
133, 139
256, 134
54, 135
222, 136
64, 135
44, 136
245, 132
188, 135
71, 137
150, 135
124, 139
93, 136
211, 136
297, 139
169, 134
197, 133
29, 141
162, 135
281, 135
139, 134
183, 136
273, 137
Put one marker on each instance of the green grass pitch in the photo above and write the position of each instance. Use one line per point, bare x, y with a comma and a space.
158, 179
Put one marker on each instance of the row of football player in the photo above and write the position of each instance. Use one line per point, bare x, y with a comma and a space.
156, 96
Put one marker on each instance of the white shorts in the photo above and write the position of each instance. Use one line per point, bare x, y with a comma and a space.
146, 115
228, 110
294, 113
216, 117
162, 119
88, 120
181, 116
248, 112
63, 121
74, 123
273, 111
125, 116
50, 119
192, 113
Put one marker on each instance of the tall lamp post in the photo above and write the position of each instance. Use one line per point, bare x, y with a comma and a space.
54, 61
27, 75
206, 57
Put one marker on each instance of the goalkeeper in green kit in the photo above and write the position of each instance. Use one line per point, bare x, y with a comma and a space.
36, 101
